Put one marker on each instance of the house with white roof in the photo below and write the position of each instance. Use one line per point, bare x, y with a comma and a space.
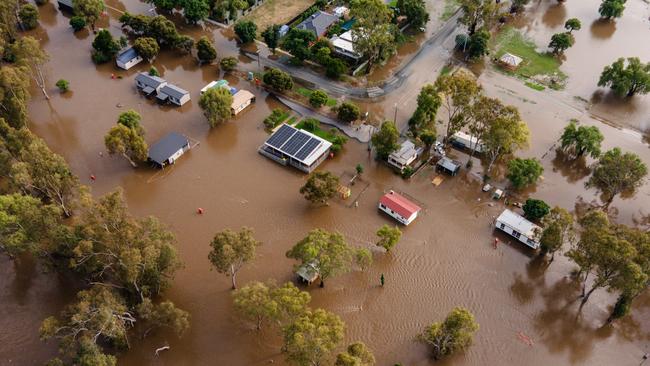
519, 228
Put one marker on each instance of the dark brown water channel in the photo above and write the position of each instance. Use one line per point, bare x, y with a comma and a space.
445, 258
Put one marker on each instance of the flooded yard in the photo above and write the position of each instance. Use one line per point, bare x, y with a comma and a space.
445, 258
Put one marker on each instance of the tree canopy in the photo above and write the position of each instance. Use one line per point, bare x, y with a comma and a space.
312, 337
259, 303
128, 142
558, 229
626, 80
90, 10
453, 334
477, 14
320, 187
373, 32
318, 98
581, 140
216, 104
611, 8
561, 42
104, 47
535, 209
415, 11
246, 30
278, 80
146, 47
617, 172
232, 250
271, 36
385, 141
424, 117
459, 91
572, 24
524, 172
357, 354
348, 112
388, 237
205, 51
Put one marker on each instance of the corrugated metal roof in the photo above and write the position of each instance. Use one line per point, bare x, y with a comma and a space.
318, 22
150, 80
399, 204
518, 223
162, 150
174, 91
127, 55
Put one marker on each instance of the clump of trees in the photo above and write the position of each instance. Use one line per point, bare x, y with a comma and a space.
205, 51
617, 172
626, 80
329, 253
453, 334
246, 30
260, 303
374, 32
524, 172
159, 28
297, 42
385, 141
127, 138
348, 112
320, 187
388, 237
104, 47
216, 104
578, 141
278, 80
231, 251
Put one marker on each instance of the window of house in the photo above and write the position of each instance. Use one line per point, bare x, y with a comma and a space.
516, 234
502, 226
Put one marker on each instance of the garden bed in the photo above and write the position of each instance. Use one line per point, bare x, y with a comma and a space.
277, 12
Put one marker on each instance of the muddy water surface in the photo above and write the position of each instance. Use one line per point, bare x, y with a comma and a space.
445, 258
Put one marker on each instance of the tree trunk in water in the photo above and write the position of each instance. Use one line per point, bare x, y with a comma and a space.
322, 283
133, 164
233, 274
584, 285
586, 297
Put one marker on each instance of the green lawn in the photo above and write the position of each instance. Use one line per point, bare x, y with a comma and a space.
535, 86
535, 63
326, 134
450, 8
307, 93
392, 4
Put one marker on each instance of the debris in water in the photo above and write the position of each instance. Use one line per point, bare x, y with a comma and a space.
526, 339
163, 348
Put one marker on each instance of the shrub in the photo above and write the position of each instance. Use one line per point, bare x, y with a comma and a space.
63, 85
348, 112
77, 23
228, 63
318, 98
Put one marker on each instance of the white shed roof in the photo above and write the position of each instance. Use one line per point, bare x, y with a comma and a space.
510, 59
518, 223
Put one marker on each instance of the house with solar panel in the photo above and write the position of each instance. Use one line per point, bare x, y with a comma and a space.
399, 207
298, 148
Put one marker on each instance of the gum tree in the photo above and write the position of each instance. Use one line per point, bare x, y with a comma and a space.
626, 80
454, 334
581, 140
232, 250
617, 172
320, 187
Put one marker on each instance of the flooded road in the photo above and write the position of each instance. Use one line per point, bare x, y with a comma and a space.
445, 258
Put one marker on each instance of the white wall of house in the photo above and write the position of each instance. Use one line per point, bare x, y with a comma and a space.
396, 216
184, 99
129, 64
239, 108
531, 242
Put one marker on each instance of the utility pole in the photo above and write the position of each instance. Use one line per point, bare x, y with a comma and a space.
395, 119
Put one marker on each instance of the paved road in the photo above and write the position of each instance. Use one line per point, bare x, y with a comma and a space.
420, 62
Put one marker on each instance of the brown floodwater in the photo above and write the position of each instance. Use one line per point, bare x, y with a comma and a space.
445, 257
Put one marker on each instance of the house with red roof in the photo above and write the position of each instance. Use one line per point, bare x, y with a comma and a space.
399, 207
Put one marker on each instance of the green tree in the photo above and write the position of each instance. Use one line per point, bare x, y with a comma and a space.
454, 334
327, 251
271, 36
415, 11
318, 98
388, 237
28, 15
518, 5
335, 68
524, 172
297, 42
357, 354
29, 53
14, 94
163, 315
478, 14
63, 85
166, 5
77, 23
320, 187
90, 10
580, 140
385, 140
560, 42
205, 51
312, 337
558, 229
459, 92
348, 112
478, 44
572, 24
258, 303
228, 64
616, 173
232, 250
373, 32
504, 135
28, 225
195, 10
424, 117
216, 104
183, 44
278, 80
146, 47
246, 30
131, 119
153, 71
128, 142
535, 209
428, 138
611, 8
626, 80
104, 47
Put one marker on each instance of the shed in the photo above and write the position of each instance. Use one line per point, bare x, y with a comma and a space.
519, 228
168, 149
241, 100
174, 94
448, 166
510, 61
399, 207
128, 58
215, 84
403, 157
341, 11
65, 5
318, 23
149, 84
308, 273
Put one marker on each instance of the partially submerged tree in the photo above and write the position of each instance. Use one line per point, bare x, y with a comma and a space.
128, 142
388, 237
524, 172
259, 303
228, 64
581, 140
232, 250
246, 30
385, 141
163, 315
312, 337
195, 10
320, 187
29, 53
626, 80
146, 47
478, 44
561, 42
459, 92
373, 32
558, 229
504, 135
357, 354
216, 104
327, 251
617, 172
572, 24
535, 209
28, 15
205, 51
90, 10
415, 12
478, 14
454, 334
104, 47
611, 8
424, 117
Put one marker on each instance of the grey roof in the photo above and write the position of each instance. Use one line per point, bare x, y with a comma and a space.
150, 80
318, 22
448, 164
67, 3
173, 91
127, 55
162, 150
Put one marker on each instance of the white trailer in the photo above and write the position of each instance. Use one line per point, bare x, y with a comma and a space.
519, 228
469, 142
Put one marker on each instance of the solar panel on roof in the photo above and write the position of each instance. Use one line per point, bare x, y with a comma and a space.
307, 149
281, 136
295, 143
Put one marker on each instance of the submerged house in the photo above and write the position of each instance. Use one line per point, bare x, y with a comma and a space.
519, 228
318, 23
298, 148
173, 94
217, 84
128, 58
448, 166
399, 207
240, 100
308, 273
403, 157
149, 84
168, 149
